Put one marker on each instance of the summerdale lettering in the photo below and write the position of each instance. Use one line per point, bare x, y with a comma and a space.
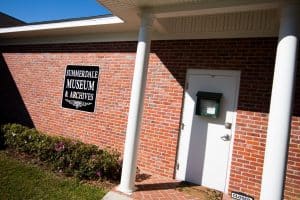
82, 73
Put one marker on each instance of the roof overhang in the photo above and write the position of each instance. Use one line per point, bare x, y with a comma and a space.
63, 25
175, 19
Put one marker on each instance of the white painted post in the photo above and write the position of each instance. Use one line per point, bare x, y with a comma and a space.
136, 105
278, 132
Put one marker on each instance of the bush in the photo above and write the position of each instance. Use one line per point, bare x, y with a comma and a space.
2, 142
73, 158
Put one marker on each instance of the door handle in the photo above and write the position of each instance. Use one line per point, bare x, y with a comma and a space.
226, 137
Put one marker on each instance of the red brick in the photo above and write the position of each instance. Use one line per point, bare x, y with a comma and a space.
38, 72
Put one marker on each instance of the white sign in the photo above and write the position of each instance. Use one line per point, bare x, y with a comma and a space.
240, 196
211, 110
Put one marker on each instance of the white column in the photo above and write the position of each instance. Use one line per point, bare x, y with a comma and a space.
136, 105
281, 106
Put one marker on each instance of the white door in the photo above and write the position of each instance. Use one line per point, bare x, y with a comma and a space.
205, 143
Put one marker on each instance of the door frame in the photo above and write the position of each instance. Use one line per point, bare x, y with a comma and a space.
233, 73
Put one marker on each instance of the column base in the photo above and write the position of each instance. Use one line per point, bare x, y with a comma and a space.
126, 190
226, 197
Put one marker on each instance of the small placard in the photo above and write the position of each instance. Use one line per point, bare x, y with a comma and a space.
240, 196
211, 110
80, 87
208, 104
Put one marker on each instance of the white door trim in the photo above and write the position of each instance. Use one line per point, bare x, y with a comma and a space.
233, 73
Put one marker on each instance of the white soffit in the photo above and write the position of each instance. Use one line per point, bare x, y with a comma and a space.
171, 8
203, 18
260, 21
175, 19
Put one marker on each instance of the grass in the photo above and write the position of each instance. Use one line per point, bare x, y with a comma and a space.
20, 180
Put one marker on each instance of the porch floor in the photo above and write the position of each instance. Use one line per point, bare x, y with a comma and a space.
154, 187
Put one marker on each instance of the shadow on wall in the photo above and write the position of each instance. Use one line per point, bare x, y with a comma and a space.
12, 107
253, 57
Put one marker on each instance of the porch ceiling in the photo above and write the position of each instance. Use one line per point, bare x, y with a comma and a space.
202, 18
171, 4
175, 19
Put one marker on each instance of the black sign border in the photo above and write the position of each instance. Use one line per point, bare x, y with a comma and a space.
96, 91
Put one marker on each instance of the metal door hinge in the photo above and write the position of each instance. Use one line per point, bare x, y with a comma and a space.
177, 166
187, 86
182, 126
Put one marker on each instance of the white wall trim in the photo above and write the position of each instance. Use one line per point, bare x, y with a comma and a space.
127, 36
216, 72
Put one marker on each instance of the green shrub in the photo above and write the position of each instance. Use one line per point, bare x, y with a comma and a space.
11, 134
73, 158
2, 142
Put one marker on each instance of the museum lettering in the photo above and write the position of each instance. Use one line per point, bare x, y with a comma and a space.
80, 84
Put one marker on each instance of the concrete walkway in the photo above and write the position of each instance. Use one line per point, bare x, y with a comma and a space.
113, 195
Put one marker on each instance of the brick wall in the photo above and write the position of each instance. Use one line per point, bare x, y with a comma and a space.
38, 72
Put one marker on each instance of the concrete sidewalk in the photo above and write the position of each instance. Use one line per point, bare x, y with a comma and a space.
113, 195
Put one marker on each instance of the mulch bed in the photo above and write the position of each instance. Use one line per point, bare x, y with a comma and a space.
199, 191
